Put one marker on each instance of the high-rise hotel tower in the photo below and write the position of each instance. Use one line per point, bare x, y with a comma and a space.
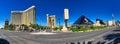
26, 17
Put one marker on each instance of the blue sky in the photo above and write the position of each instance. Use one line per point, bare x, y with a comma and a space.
92, 9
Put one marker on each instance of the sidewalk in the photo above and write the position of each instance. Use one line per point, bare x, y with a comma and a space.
42, 33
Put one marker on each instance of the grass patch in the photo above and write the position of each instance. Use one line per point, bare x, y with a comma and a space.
86, 28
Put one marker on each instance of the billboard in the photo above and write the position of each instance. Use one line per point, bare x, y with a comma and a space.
66, 13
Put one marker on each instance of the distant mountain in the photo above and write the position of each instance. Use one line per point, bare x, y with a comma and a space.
83, 20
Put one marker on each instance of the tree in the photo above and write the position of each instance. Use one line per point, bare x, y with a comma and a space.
24, 27
9, 27
36, 26
59, 21
55, 28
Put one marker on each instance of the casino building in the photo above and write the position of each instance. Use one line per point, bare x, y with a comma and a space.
82, 20
51, 21
25, 17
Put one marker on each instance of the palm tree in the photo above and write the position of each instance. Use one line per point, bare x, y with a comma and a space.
59, 21
24, 27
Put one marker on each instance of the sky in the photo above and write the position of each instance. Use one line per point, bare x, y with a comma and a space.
92, 9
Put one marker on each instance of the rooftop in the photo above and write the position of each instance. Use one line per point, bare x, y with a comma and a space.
24, 10
17, 11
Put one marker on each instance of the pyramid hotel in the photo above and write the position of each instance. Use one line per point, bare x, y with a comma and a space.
25, 17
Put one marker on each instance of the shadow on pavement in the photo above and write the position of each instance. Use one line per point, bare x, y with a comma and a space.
112, 36
115, 37
3, 41
116, 30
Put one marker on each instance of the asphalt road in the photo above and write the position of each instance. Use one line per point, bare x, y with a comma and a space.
58, 38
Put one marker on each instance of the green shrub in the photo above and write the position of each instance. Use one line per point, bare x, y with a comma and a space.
36, 26
85, 28
55, 29
9, 27
74, 29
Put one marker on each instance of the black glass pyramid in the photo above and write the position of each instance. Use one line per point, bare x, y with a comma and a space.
83, 20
